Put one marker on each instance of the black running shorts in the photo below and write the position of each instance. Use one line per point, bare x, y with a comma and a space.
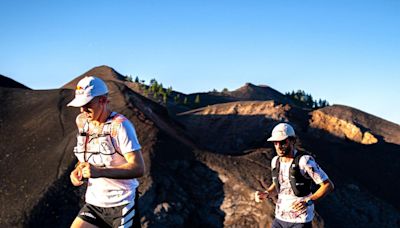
120, 216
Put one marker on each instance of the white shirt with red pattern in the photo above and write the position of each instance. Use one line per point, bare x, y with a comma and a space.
286, 197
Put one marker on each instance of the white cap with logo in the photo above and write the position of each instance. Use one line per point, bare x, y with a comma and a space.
281, 132
88, 88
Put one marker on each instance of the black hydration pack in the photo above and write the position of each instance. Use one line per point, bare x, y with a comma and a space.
301, 185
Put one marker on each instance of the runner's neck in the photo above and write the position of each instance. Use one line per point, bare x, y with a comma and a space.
289, 157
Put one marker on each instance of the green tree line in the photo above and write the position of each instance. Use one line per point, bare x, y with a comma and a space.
157, 91
302, 98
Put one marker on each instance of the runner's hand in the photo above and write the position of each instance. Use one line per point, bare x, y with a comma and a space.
300, 205
261, 196
76, 177
90, 171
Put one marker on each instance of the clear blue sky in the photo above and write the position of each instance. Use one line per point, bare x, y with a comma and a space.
347, 52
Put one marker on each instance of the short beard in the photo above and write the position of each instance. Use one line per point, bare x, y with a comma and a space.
285, 151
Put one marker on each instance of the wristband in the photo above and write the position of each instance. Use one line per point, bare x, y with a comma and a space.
309, 202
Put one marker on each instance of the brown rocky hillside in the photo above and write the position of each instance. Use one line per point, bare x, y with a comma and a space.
259, 93
347, 122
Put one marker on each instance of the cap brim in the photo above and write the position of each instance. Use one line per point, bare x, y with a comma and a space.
79, 101
276, 138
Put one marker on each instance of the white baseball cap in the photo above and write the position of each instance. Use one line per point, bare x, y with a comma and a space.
281, 132
88, 88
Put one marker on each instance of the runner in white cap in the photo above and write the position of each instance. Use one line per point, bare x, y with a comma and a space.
292, 175
109, 157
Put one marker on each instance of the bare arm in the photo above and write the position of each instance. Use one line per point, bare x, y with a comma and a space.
132, 169
270, 192
325, 188
317, 175
271, 189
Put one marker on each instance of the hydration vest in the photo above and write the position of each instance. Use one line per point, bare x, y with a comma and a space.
104, 152
301, 185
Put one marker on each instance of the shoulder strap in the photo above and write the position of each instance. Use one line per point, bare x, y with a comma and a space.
299, 183
299, 154
278, 164
275, 174
82, 123
116, 122
113, 124
296, 161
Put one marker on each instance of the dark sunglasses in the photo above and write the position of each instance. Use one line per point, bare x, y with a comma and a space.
281, 143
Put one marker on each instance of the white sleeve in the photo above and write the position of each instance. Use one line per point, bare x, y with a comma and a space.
309, 165
127, 138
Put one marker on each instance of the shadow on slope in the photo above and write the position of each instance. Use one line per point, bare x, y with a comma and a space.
361, 174
35, 140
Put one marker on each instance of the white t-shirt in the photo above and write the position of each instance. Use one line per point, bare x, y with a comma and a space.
286, 196
107, 151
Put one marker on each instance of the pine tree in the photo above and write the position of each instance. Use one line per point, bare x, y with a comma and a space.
165, 98
169, 91
197, 99
160, 90
176, 99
